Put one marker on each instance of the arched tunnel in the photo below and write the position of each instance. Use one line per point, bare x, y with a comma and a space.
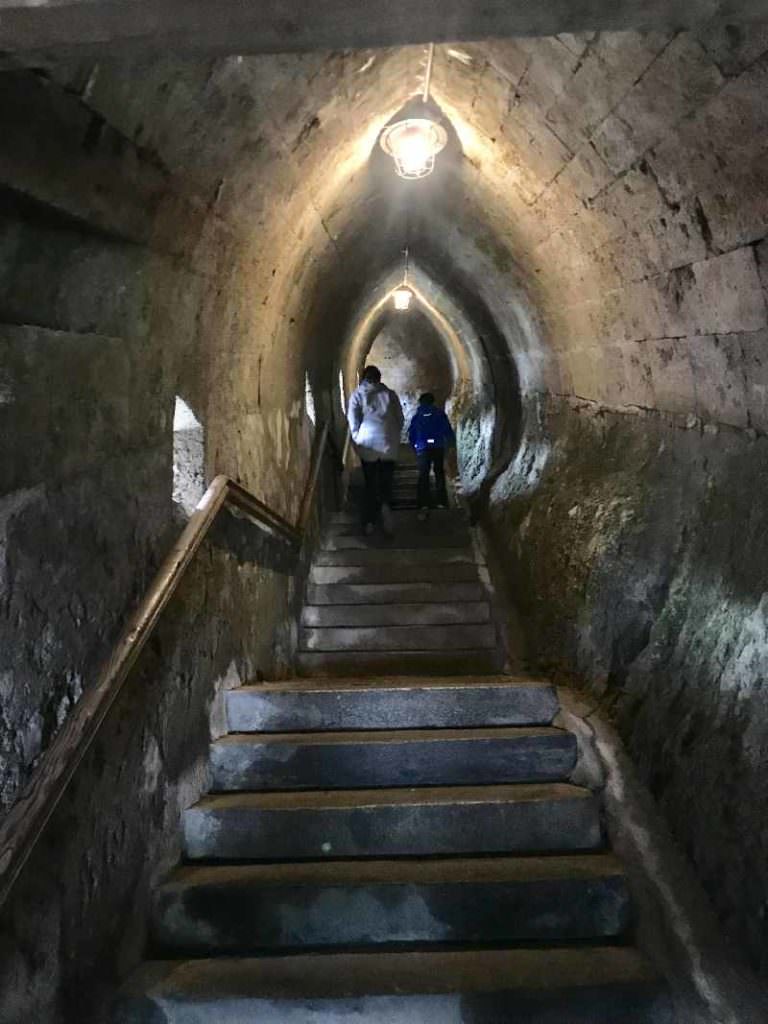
196, 222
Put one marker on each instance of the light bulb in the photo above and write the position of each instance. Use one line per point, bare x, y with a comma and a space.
413, 144
412, 151
402, 297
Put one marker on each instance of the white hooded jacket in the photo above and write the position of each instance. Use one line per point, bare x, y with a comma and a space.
375, 419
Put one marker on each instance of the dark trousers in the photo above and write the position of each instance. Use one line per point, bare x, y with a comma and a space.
432, 458
378, 488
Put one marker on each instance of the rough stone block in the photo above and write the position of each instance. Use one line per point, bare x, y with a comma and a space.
682, 78
712, 156
89, 396
549, 70
607, 71
638, 376
754, 348
733, 46
105, 182
672, 374
718, 379
726, 296
587, 173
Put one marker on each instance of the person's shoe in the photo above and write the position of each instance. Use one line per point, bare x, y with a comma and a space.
387, 523
441, 505
422, 514
368, 529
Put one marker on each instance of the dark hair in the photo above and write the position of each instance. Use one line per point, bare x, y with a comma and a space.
427, 398
372, 373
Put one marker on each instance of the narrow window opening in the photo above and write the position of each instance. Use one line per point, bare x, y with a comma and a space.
188, 457
309, 400
342, 395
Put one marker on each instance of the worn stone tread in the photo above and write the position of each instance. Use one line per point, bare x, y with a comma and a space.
381, 823
392, 703
457, 870
425, 613
343, 663
351, 799
244, 908
410, 539
399, 638
451, 572
596, 985
391, 593
395, 555
404, 757
448, 517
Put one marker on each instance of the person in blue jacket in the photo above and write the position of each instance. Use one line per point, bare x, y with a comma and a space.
430, 433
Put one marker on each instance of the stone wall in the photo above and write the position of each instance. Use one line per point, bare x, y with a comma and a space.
637, 562
119, 289
76, 922
413, 359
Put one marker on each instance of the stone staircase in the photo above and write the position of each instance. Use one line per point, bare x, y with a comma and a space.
419, 599
393, 848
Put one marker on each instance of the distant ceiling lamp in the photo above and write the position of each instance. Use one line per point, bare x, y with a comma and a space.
414, 142
403, 294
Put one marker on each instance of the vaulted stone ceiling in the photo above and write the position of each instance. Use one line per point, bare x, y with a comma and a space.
603, 208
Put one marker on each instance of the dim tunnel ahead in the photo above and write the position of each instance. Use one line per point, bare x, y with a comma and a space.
200, 237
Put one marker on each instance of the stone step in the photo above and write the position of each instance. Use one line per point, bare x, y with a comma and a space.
399, 638
406, 757
594, 985
446, 517
471, 820
247, 908
396, 556
394, 593
485, 661
355, 539
391, 704
424, 614
457, 572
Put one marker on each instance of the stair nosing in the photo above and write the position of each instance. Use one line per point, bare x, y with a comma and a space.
460, 870
344, 799
375, 684
393, 736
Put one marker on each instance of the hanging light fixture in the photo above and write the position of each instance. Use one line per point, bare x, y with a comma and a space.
414, 142
403, 294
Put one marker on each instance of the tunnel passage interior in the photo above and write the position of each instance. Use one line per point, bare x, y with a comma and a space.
412, 359
591, 263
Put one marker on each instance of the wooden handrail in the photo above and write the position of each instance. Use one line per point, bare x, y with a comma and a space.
308, 500
25, 822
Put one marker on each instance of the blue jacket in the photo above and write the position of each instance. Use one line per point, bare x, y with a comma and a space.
430, 429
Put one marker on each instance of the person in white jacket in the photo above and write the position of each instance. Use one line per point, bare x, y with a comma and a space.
375, 419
